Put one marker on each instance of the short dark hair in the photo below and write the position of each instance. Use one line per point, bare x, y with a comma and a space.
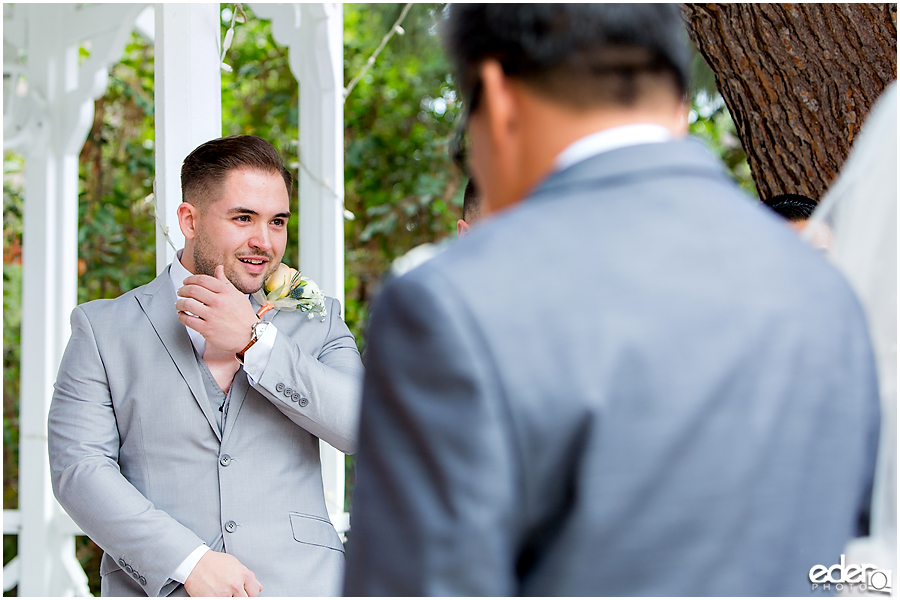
471, 203
578, 54
793, 207
204, 169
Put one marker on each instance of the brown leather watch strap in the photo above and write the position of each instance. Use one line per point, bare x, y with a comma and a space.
253, 339
240, 355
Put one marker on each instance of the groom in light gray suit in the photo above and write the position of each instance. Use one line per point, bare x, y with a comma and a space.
184, 431
630, 379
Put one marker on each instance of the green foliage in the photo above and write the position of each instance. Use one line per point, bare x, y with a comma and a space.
710, 121
116, 224
400, 183
12, 319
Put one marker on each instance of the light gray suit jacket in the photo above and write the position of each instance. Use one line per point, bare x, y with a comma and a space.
138, 461
637, 382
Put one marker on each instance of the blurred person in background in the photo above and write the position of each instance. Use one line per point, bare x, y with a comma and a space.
796, 208
471, 213
859, 213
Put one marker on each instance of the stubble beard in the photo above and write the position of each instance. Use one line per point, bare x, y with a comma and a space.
205, 264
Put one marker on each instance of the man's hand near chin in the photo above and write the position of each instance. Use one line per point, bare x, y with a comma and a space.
220, 574
223, 314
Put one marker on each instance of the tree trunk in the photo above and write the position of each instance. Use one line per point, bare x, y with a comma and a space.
799, 80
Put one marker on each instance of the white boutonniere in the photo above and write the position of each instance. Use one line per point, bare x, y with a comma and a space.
286, 290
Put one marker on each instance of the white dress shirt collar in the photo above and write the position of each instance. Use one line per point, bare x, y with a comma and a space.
611, 139
177, 273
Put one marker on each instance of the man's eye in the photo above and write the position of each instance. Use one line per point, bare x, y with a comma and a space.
243, 218
278, 222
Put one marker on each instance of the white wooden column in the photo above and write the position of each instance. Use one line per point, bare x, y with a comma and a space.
56, 117
188, 104
313, 34
320, 74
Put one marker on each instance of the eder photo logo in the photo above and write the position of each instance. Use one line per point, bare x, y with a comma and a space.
862, 578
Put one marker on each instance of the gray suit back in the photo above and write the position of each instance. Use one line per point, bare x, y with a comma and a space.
637, 382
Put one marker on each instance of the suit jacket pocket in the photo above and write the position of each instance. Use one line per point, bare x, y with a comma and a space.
315, 531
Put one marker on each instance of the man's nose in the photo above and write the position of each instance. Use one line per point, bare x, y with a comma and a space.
261, 240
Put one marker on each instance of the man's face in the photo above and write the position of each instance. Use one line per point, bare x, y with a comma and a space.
244, 229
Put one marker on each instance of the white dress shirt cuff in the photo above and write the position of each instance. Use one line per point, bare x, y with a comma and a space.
184, 569
257, 357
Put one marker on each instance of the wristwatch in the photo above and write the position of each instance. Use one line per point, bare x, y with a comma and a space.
257, 332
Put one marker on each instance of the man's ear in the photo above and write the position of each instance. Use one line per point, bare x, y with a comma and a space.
498, 102
496, 133
188, 215
462, 228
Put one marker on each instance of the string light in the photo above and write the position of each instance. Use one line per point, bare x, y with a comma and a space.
396, 29
229, 35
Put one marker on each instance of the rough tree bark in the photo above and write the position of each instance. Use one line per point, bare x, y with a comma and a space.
799, 80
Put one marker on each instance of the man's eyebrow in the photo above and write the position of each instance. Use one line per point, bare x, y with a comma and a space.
240, 210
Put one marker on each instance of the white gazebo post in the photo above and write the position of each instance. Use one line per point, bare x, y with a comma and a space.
321, 158
188, 104
320, 74
49, 127
313, 34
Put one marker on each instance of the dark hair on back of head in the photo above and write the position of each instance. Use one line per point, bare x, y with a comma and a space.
204, 170
579, 54
793, 207
471, 203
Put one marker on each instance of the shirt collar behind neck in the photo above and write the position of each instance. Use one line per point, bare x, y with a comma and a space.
178, 273
611, 139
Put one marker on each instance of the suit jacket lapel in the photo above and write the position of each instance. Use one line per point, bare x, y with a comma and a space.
241, 385
158, 303
239, 388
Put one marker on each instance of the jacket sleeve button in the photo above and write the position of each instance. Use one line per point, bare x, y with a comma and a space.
279, 388
303, 401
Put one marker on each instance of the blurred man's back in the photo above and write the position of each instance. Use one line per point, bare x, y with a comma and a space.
632, 380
